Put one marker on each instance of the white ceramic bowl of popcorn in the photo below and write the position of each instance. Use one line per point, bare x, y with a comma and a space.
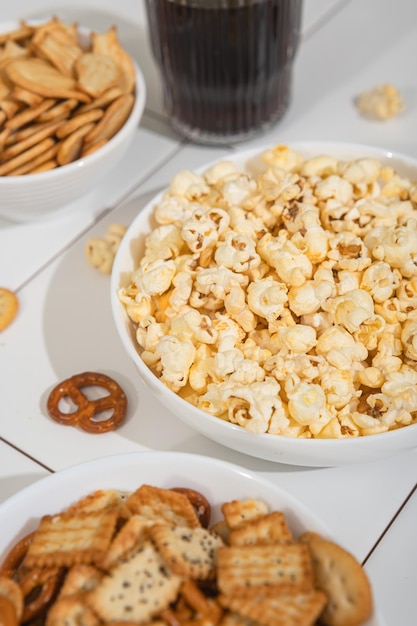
324, 373
35, 196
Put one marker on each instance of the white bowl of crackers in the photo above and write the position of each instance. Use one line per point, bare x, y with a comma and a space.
172, 538
70, 103
268, 301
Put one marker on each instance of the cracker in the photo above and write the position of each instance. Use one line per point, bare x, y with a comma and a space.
269, 529
343, 580
9, 305
160, 504
135, 590
17, 148
26, 156
69, 149
28, 97
234, 619
97, 73
71, 611
77, 121
108, 44
113, 119
189, 552
79, 579
133, 533
69, 539
59, 111
30, 113
92, 147
100, 499
42, 167
103, 101
239, 512
62, 54
43, 159
300, 609
43, 79
10, 590
243, 570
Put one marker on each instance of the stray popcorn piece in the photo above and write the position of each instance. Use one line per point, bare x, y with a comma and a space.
382, 102
284, 300
100, 251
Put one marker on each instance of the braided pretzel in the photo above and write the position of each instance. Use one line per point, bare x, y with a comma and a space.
87, 409
200, 503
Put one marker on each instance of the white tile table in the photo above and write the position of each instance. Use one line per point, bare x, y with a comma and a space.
64, 324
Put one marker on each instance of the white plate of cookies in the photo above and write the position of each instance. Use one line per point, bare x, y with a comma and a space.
165, 537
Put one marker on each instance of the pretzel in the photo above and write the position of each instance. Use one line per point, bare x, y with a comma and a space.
84, 415
7, 613
199, 502
15, 556
39, 588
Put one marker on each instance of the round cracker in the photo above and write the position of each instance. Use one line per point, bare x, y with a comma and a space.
8, 307
344, 581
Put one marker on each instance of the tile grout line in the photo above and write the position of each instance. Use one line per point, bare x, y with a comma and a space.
28, 456
387, 528
327, 16
101, 215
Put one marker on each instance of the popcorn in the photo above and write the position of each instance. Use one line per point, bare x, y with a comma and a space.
285, 301
382, 102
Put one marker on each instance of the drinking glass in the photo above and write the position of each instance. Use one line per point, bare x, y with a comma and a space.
226, 65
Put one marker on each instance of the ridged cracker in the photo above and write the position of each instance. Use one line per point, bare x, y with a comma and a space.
189, 552
80, 579
135, 590
133, 533
72, 538
300, 609
272, 528
160, 504
99, 500
344, 581
239, 512
71, 611
268, 569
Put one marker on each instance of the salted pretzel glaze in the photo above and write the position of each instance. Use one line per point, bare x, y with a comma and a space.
86, 409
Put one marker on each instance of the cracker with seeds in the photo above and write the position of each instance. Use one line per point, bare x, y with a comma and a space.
135, 590
300, 609
72, 538
342, 578
269, 529
245, 570
239, 512
189, 552
160, 504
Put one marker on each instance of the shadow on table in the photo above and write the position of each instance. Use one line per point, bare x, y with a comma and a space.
80, 335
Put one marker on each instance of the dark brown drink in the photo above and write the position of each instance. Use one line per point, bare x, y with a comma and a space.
226, 66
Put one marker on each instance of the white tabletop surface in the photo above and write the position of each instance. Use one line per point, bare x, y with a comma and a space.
64, 325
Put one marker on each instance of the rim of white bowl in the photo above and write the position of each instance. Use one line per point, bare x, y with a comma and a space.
128, 127
271, 441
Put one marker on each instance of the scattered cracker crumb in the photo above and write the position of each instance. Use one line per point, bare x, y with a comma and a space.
382, 102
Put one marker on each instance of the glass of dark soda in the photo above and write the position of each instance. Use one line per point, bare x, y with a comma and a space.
226, 65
